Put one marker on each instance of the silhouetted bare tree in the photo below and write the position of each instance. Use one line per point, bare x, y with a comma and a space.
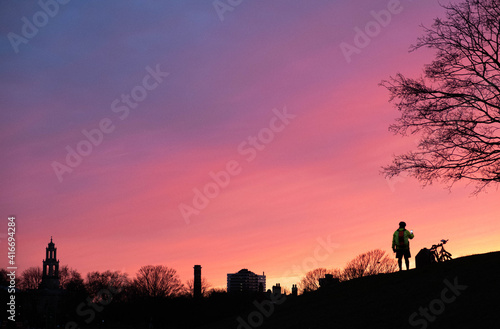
70, 279
455, 107
157, 281
311, 280
369, 263
100, 284
205, 286
31, 278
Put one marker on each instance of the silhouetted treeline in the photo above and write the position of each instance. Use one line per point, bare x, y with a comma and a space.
155, 298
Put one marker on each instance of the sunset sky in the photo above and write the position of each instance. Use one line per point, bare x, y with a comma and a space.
181, 91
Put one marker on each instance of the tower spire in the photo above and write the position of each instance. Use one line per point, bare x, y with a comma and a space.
50, 273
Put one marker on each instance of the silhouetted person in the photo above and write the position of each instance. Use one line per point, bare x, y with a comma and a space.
401, 245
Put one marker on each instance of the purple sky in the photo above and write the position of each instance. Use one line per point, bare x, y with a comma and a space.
316, 178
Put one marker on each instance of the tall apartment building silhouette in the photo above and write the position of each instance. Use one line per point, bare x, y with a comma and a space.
246, 281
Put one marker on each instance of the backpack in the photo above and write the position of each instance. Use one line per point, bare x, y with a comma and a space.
401, 238
424, 258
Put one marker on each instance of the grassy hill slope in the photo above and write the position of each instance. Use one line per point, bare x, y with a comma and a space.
388, 300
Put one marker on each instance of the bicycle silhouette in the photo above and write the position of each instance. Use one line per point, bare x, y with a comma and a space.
441, 255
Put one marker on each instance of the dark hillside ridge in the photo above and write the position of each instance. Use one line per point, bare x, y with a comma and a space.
462, 293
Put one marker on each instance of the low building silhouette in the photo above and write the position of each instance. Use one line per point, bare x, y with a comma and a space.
328, 281
245, 281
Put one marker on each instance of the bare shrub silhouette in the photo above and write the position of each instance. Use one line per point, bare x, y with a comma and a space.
310, 281
113, 281
31, 278
70, 279
157, 281
369, 263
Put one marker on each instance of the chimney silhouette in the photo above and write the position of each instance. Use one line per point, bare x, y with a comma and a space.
277, 290
197, 281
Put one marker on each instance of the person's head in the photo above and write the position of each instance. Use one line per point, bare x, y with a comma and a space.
402, 224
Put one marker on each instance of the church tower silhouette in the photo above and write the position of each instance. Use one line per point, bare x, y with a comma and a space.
50, 276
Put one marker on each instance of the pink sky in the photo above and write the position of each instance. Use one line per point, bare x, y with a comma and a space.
315, 180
